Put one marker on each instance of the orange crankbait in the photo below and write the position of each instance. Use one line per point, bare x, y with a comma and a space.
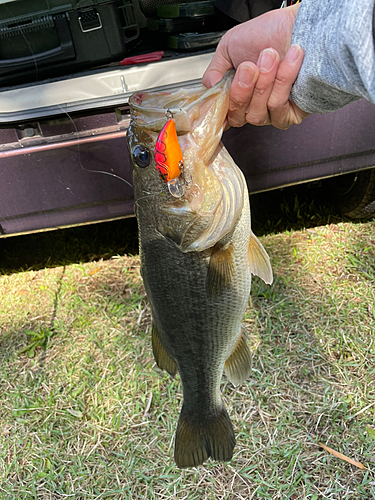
168, 154
168, 158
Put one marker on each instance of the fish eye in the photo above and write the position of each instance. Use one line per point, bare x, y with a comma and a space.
141, 156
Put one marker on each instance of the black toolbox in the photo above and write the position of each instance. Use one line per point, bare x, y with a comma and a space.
46, 38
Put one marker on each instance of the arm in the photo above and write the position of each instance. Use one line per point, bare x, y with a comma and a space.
338, 41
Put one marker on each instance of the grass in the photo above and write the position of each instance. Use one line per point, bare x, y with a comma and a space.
86, 414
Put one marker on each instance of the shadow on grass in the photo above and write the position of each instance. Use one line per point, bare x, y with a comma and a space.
14, 339
68, 246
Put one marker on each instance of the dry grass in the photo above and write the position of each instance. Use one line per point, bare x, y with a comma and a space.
85, 414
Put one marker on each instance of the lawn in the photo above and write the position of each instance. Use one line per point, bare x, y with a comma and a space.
86, 414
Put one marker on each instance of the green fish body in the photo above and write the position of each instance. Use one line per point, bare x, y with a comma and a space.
197, 255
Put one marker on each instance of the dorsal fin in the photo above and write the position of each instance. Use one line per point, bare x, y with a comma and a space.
259, 262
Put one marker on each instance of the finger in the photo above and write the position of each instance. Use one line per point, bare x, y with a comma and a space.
220, 64
257, 113
241, 92
279, 106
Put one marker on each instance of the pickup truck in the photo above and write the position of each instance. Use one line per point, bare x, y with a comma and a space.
64, 158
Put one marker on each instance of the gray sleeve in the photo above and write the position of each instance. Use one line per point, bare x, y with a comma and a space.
339, 63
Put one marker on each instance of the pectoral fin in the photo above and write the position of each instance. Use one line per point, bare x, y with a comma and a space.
259, 262
220, 271
238, 366
162, 358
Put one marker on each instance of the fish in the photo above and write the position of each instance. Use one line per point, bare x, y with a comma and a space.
197, 253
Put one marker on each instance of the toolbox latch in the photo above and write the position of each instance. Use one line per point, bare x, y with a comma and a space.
89, 19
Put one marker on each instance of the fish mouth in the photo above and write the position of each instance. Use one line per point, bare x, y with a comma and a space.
150, 110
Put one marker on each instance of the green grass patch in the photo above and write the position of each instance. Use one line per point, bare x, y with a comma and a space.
86, 414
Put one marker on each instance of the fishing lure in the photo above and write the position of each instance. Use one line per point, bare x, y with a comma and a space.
168, 159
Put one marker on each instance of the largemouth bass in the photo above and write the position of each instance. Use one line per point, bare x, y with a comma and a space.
197, 255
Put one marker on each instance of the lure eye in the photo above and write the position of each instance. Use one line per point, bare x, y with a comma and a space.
141, 156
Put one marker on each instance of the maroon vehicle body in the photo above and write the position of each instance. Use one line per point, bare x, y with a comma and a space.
68, 164
58, 183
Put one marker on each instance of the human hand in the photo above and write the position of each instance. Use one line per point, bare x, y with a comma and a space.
246, 41
260, 93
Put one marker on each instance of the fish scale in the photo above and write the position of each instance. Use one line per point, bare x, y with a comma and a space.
196, 261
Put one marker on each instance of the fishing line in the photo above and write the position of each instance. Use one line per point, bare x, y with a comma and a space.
101, 171
80, 156
148, 195
64, 112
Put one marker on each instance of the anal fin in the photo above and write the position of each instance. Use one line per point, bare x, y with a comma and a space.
220, 271
162, 358
198, 439
259, 262
238, 366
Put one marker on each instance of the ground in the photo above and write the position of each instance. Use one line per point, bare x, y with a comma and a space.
86, 414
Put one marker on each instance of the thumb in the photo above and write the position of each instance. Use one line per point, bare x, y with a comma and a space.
212, 76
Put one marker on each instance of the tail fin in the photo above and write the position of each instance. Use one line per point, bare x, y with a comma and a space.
196, 440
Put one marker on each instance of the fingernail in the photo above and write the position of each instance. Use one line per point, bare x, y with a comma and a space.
266, 60
245, 76
293, 54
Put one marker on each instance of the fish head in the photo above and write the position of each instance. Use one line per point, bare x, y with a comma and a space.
182, 175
